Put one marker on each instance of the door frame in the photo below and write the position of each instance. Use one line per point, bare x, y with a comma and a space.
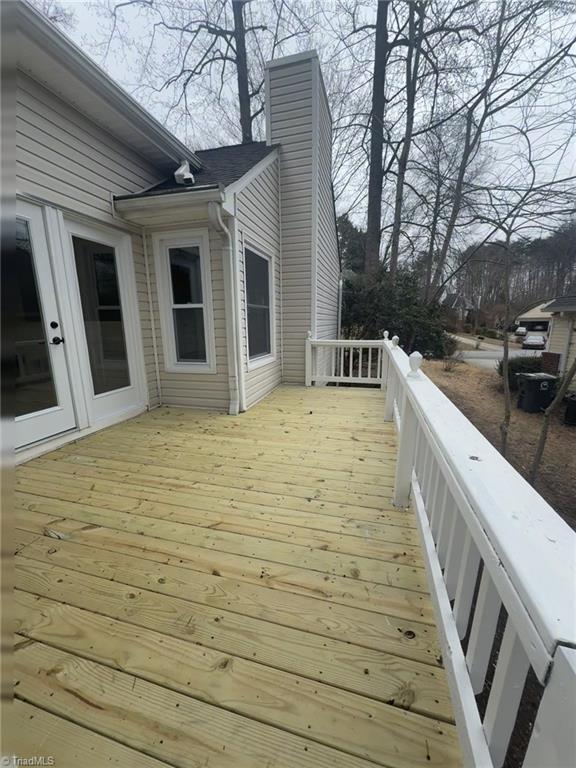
62, 261
121, 241
42, 258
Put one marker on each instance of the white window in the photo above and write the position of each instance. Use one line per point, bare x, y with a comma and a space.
183, 264
258, 305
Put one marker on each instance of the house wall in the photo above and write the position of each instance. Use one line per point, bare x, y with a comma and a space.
258, 225
199, 390
290, 120
558, 340
328, 261
298, 120
66, 161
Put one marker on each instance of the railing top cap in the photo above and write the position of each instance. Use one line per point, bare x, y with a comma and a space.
535, 546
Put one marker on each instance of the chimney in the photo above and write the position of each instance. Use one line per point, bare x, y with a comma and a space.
298, 120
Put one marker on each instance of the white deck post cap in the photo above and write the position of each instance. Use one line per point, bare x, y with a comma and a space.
415, 361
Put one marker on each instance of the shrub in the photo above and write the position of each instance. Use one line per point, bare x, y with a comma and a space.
371, 304
468, 328
520, 365
450, 345
490, 333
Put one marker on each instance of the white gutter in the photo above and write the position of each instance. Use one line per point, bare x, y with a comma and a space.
232, 335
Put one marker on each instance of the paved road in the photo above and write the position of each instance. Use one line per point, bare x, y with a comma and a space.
489, 358
489, 352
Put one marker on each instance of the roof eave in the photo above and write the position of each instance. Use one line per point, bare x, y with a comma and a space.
50, 39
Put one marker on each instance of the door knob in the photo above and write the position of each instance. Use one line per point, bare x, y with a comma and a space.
57, 340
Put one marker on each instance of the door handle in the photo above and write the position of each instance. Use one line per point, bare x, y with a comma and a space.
57, 340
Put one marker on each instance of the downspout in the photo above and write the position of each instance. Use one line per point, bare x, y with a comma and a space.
232, 345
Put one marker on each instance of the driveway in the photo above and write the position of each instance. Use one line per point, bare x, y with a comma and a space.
489, 352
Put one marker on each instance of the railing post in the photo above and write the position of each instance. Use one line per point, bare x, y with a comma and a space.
385, 362
553, 740
308, 360
391, 383
407, 447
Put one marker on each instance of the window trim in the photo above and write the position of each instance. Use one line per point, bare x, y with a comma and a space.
162, 243
270, 357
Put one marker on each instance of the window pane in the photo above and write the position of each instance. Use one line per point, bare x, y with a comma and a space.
258, 331
257, 283
34, 384
186, 275
258, 300
100, 297
189, 333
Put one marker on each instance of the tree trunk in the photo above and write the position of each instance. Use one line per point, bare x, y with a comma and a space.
554, 405
505, 425
412, 64
375, 179
242, 71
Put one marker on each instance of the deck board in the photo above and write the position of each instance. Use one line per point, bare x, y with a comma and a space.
218, 591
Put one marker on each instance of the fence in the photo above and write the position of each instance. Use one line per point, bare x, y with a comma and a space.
501, 564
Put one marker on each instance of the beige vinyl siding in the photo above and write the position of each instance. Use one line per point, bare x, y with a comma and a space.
290, 90
70, 163
198, 390
328, 263
258, 226
66, 159
559, 335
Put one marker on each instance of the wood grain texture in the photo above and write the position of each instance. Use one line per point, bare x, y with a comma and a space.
215, 591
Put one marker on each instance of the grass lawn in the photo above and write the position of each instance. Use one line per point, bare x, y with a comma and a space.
478, 394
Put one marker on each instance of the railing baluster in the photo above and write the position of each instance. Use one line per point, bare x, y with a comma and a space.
439, 506
483, 630
350, 362
369, 362
445, 527
505, 694
469, 564
432, 498
454, 554
359, 362
333, 361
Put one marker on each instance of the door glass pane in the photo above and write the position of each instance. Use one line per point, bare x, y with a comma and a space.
35, 389
189, 332
186, 275
102, 312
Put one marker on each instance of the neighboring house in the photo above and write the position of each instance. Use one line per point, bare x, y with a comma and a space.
536, 318
562, 338
140, 286
459, 306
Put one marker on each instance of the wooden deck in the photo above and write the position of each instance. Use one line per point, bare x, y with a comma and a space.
201, 590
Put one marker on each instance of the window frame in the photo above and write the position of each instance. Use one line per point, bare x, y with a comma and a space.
163, 242
269, 357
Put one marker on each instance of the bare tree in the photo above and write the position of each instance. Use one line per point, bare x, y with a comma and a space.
56, 13
552, 408
198, 54
374, 214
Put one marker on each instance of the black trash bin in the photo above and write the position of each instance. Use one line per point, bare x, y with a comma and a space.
535, 391
570, 415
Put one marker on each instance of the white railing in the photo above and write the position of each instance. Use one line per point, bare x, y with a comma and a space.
354, 361
490, 542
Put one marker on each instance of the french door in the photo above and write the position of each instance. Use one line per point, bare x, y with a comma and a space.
43, 398
78, 342
103, 297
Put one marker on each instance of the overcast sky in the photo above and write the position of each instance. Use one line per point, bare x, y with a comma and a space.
204, 130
